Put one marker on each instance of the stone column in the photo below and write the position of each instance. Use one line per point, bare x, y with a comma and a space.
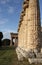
11, 41
16, 42
19, 38
22, 45
29, 29
25, 29
34, 26
24, 25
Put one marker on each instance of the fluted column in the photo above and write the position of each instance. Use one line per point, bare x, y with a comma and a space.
25, 28
29, 28
34, 26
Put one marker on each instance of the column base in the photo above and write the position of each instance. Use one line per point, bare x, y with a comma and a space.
21, 53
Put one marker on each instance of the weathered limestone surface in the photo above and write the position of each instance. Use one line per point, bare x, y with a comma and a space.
29, 29
34, 26
35, 60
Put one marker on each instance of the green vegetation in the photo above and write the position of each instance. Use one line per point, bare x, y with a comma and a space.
5, 42
1, 36
8, 56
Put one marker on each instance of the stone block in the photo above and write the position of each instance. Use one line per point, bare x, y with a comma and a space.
34, 60
39, 55
23, 52
19, 55
31, 54
41, 50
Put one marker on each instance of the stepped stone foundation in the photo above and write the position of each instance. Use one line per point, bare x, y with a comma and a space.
29, 30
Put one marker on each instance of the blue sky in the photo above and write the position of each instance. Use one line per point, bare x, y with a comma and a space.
9, 15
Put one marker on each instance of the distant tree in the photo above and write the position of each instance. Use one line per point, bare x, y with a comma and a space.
1, 36
6, 42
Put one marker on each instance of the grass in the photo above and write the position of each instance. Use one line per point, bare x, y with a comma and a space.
8, 56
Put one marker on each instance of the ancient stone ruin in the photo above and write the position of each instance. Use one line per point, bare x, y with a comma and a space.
14, 39
29, 32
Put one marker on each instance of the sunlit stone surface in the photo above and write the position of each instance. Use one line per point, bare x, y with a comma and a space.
29, 30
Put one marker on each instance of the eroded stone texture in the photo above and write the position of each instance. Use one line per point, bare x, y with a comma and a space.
34, 26
29, 29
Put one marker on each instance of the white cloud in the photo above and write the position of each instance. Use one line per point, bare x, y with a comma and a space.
9, 31
6, 33
4, 1
8, 0
10, 9
3, 21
